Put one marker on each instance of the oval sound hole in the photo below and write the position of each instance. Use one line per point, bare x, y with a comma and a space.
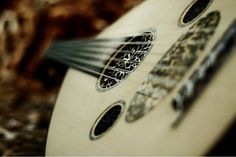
126, 59
193, 11
106, 120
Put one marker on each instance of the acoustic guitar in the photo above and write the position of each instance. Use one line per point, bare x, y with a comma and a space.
159, 81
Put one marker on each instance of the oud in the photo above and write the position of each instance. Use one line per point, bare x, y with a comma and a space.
165, 84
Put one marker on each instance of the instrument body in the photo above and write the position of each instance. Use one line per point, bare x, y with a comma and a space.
79, 103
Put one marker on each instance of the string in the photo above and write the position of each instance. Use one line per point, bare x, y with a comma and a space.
107, 43
72, 59
93, 58
80, 64
86, 69
96, 73
91, 52
104, 45
104, 41
97, 40
88, 53
98, 64
83, 68
94, 51
79, 61
104, 48
71, 54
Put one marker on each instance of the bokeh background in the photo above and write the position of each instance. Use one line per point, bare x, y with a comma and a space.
29, 83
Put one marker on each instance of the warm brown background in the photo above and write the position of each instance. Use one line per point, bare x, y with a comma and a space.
29, 84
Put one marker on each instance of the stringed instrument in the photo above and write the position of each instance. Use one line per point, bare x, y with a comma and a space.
159, 81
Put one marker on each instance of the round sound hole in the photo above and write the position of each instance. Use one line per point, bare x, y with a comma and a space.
193, 11
126, 59
106, 120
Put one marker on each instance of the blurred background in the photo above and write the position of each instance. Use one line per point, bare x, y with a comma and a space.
29, 83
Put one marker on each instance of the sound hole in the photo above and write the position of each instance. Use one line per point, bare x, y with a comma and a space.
106, 120
193, 11
126, 59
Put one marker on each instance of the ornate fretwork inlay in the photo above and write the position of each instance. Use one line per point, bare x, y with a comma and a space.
173, 66
126, 59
